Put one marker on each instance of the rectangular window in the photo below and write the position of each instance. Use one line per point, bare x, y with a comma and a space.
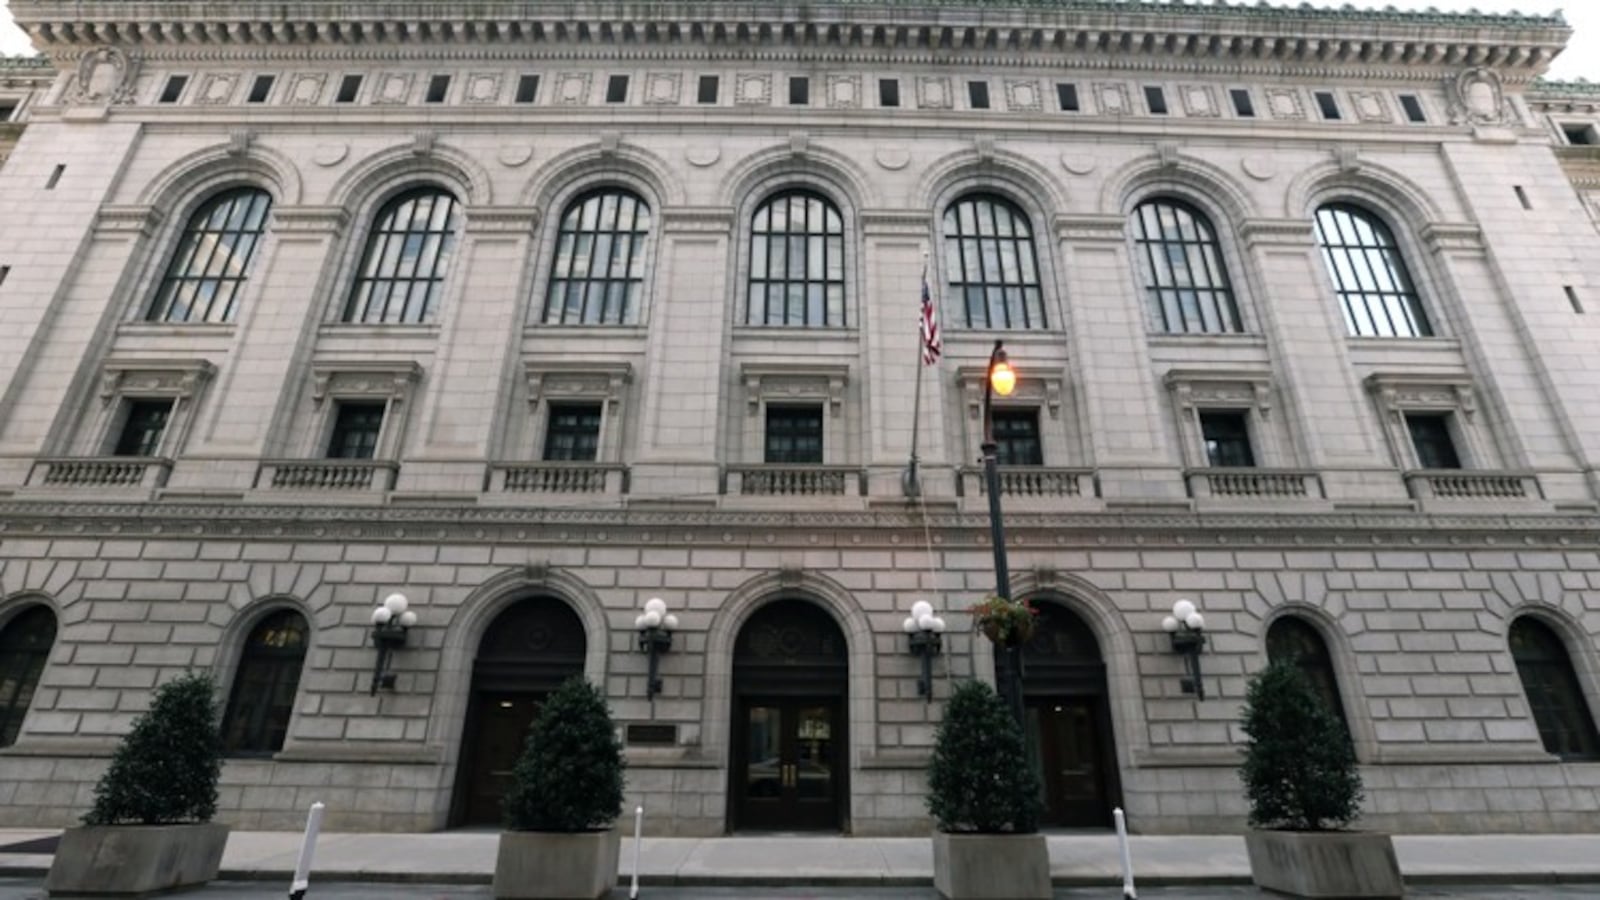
1227, 439
710, 85
1412, 106
573, 433
349, 87
1572, 294
1430, 435
355, 431
1156, 99
1067, 97
527, 88
5, 272
888, 92
1243, 106
978, 94
617, 89
1016, 437
438, 87
794, 434
1328, 106
174, 88
1522, 196
260, 89
143, 427
6, 111
799, 91
1581, 135
55, 177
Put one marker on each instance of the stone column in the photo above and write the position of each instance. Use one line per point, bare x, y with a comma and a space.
1324, 404
466, 401
251, 407
1110, 364
685, 377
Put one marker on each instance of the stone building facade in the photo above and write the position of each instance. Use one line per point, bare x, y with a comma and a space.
531, 313
21, 79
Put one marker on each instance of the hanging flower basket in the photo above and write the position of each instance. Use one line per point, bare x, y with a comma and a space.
1005, 622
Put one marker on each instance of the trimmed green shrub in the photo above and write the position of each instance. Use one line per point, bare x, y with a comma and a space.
165, 770
569, 777
1299, 769
980, 779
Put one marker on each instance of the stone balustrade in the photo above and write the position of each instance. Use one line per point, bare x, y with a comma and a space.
1254, 484
795, 481
330, 475
102, 472
559, 478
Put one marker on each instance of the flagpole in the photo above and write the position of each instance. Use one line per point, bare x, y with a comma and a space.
910, 485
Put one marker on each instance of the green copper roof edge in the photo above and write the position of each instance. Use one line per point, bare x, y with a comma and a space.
1580, 87
1260, 9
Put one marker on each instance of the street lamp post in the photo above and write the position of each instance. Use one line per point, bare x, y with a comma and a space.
1000, 379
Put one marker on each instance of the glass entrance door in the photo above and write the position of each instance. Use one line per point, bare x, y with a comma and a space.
1063, 733
787, 778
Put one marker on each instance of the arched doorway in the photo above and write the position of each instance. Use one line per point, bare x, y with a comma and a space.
1068, 720
788, 767
528, 650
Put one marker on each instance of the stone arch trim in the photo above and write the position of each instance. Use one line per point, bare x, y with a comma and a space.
465, 630
18, 602
210, 168
566, 174
1021, 179
375, 177
1206, 186
235, 631
1346, 669
765, 171
737, 608
1583, 649
1099, 611
1383, 189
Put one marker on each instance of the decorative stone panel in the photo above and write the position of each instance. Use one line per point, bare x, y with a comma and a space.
1285, 103
572, 88
483, 88
663, 88
1023, 95
1199, 100
753, 89
1371, 106
305, 88
217, 88
394, 88
933, 92
844, 91
1112, 98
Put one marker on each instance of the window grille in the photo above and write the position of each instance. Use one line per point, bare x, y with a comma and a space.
1555, 697
1185, 280
262, 699
794, 434
598, 273
25, 644
142, 429
1375, 290
573, 433
212, 260
1292, 639
1227, 439
356, 427
402, 271
990, 263
797, 262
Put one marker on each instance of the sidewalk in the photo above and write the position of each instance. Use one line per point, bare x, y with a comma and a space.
1075, 859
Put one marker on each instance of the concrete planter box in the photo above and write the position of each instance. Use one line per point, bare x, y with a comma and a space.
541, 865
991, 866
1324, 863
135, 860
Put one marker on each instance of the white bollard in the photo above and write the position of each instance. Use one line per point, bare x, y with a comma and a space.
308, 848
638, 835
1128, 891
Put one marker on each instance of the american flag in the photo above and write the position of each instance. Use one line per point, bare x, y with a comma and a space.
932, 343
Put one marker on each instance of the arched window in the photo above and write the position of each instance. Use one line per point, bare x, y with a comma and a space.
1293, 639
1375, 290
1554, 695
212, 260
408, 252
264, 686
990, 263
24, 647
1185, 280
796, 262
598, 273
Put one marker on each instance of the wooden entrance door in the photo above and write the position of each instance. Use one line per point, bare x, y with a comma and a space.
499, 734
1064, 734
787, 777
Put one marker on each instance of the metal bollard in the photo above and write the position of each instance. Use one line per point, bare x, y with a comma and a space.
638, 833
308, 848
1128, 891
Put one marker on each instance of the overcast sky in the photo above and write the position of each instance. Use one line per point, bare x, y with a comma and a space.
1581, 59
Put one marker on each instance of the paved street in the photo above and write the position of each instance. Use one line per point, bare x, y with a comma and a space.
29, 889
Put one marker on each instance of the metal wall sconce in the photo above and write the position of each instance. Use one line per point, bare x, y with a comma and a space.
1187, 628
655, 626
925, 629
390, 622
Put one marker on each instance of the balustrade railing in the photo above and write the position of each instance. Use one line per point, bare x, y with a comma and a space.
1255, 484
103, 472
559, 478
328, 474
1029, 481
795, 481
1457, 484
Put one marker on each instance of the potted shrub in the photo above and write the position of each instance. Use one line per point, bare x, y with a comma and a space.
1300, 777
150, 829
984, 798
566, 791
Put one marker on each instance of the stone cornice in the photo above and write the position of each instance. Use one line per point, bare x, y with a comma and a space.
1359, 531
1041, 30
